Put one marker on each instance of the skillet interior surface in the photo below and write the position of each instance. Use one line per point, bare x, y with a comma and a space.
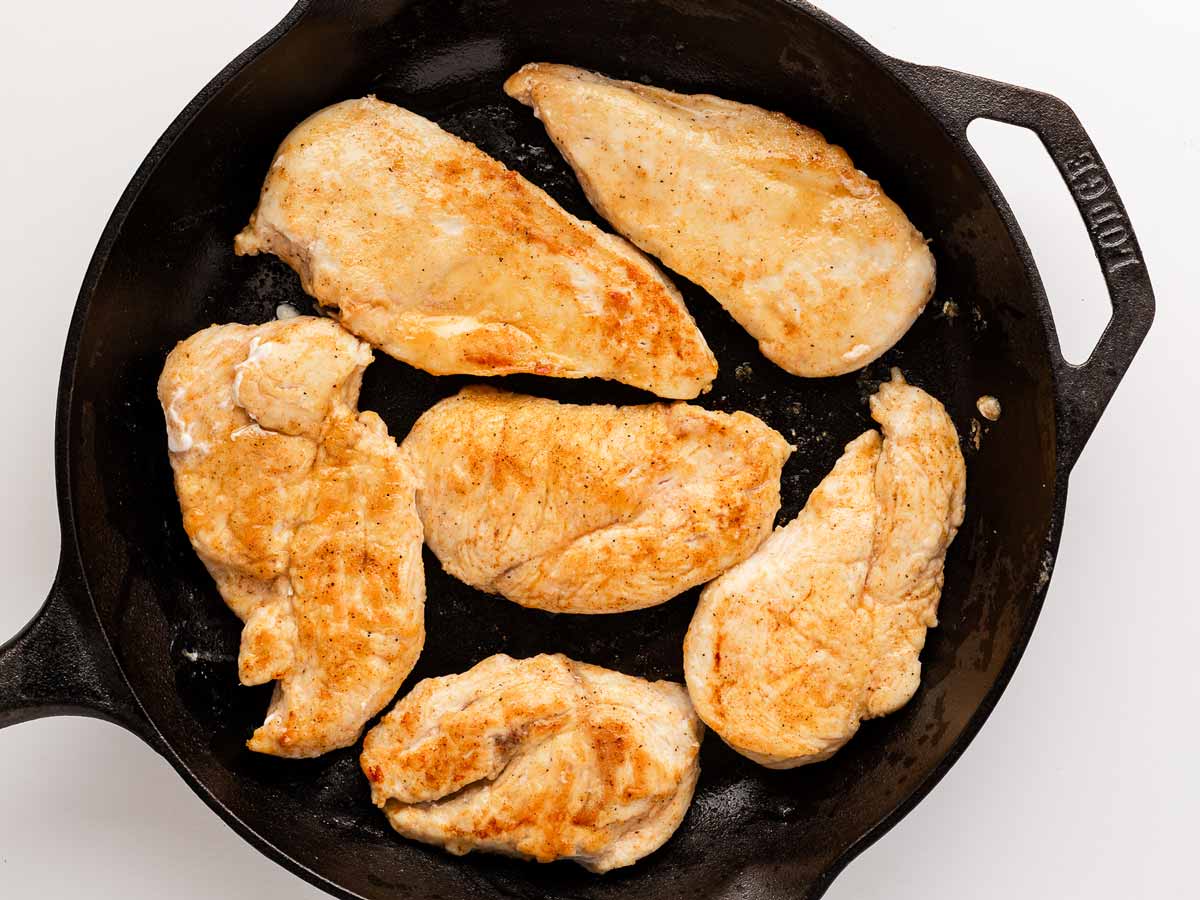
171, 271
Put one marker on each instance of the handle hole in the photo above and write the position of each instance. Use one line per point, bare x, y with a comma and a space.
1058, 238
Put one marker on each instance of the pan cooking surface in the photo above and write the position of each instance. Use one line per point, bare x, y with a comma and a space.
819, 416
172, 272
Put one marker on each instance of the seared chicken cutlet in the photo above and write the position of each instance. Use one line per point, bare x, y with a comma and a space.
541, 758
303, 510
920, 496
823, 626
591, 509
436, 253
776, 657
803, 249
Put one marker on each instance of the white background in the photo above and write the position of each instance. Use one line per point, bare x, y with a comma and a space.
1083, 783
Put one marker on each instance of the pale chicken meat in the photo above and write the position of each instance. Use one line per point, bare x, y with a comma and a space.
543, 759
436, 253
920, 496
591, 509
823, 626
303, 510
804, 250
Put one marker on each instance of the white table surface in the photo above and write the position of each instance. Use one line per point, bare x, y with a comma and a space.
1083, 782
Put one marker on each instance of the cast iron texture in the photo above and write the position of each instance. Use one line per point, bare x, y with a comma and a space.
135, 632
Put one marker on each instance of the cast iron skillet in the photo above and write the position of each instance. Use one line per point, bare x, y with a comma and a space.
134, 631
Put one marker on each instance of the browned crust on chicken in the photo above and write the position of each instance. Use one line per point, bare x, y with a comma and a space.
591, 509
806, 252
823, 626
542, 758
303, 510
436, 253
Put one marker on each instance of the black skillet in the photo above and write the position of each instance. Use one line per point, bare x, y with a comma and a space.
134, 632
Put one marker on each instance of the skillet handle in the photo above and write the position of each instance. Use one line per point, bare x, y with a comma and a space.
61, 665
1084, 390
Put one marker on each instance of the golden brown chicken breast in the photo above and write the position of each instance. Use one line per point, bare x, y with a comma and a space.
920, 496
541, 758
822, 627
303, 510
803, 249
591, 509
434, 252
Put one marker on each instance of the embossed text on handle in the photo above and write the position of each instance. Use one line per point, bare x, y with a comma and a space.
1105, 218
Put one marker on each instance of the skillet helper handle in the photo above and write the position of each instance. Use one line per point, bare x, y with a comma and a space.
1084, 390
60, 664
